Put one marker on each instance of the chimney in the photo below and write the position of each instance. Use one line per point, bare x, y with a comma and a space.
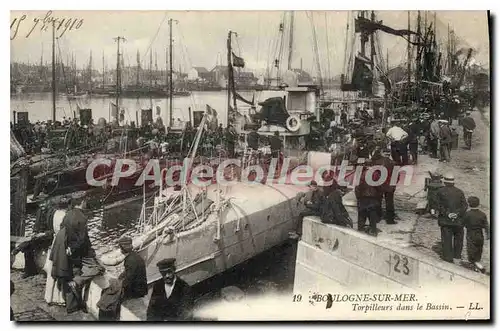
300, 64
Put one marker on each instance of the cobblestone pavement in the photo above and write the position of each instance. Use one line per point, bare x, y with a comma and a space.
29, 305
472, 175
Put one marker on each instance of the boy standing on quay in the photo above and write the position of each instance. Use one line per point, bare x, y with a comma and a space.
475, 221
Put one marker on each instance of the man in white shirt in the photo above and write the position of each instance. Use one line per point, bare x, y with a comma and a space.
399, 149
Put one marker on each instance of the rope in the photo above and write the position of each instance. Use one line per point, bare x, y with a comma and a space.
154, 38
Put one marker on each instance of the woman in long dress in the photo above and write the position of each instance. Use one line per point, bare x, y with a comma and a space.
53, 295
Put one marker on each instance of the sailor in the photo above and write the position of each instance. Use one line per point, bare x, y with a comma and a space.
468, 125
475, 222
451, 208
368, 198
444, 140
386, 189
134, 280
171, 298
276, 145
398, 138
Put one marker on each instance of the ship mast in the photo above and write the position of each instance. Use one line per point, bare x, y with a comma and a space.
420, 69
166, 87
290, 42
316, 52
409, 56
53, 72
150, 78
90, 73
118, 75
150, 68
103, 71
372, 45
329, 76
138, 73
170, 74
230, 78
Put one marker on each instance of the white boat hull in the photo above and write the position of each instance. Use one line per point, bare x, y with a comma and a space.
260, 217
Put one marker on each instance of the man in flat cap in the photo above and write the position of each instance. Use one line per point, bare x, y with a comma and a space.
171, 298
134, 280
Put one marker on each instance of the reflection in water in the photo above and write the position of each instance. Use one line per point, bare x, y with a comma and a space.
39, 105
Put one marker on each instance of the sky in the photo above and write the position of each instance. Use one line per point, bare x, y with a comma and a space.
200, 37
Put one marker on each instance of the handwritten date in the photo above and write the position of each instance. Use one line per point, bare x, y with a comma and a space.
61, 25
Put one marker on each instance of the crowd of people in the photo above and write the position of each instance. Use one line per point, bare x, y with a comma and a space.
403, 141
71, 264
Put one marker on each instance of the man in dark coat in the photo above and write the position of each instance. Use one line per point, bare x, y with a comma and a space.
445, 141
468, 125
171, 298
78, 241
71, 246
386, 189
333, 210
134, 280
451, 207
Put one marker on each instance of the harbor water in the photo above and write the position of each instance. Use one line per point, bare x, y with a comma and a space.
39, 105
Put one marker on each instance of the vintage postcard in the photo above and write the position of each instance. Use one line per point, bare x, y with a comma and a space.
249, 165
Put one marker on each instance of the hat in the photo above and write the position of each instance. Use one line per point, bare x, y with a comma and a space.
166, 264
473, 202
449, 178
125, 241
